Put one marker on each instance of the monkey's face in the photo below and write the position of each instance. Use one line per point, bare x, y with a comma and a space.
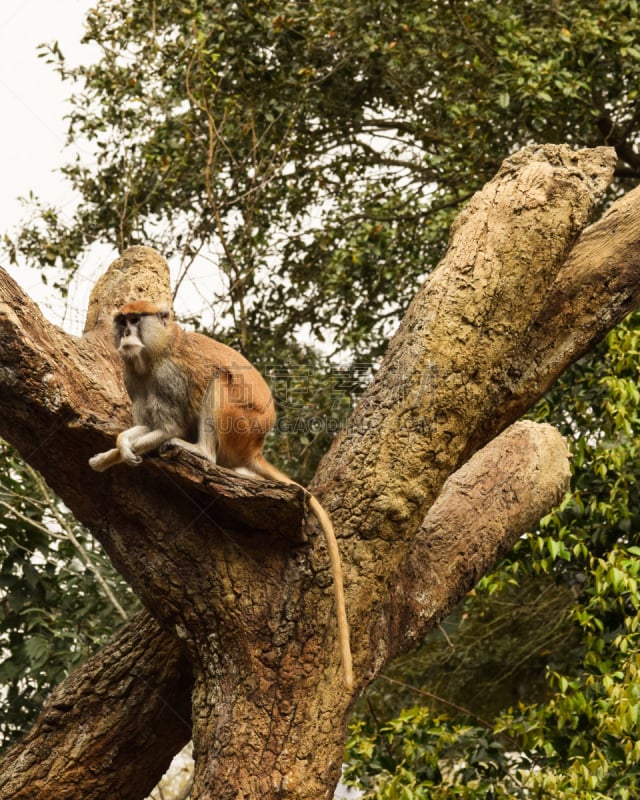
129, 338
140, 331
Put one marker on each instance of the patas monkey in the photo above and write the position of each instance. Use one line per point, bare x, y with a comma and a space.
189, 387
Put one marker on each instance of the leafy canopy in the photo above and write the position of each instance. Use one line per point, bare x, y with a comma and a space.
317, 152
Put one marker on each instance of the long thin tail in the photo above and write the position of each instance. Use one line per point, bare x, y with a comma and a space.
267, 470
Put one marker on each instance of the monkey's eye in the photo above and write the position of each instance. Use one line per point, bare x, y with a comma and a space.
121, 320
133, 319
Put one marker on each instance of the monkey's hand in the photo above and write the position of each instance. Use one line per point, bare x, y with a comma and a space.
130, 458
127, 441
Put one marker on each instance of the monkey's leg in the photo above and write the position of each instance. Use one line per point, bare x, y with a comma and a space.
207, 436
133, 443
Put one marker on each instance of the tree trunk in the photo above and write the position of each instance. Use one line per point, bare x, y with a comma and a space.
233, 569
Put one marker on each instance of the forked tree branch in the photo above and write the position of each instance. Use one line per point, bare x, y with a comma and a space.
484, 337
492, 499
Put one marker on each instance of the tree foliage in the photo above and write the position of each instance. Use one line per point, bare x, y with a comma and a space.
59, 595
317, 153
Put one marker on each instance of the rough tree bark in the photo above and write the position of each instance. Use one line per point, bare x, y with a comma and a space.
232, 570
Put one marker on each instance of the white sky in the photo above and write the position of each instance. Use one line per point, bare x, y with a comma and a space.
32, 127
32, 96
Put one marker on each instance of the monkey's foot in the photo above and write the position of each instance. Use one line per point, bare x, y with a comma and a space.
102, 461
188, 446
97, 462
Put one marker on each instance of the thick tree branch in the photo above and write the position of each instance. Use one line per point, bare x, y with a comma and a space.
482, 510
112, 727
451, 379
275, 509
598, 285
447, 382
